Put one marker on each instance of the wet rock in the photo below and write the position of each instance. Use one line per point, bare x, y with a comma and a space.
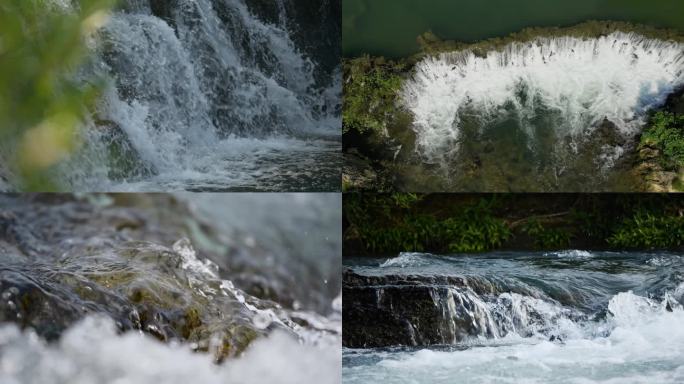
163, 9
383, 311
650, 170
359, 175
67, 258
607, 133
420, 310
675, 102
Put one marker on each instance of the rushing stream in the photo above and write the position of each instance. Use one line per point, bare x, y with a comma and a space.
561, 317
140, 288
213, 95
552, 113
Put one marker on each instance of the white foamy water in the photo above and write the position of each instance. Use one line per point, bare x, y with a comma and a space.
640, 341
577, 83
570, 254
92, 352
405, 259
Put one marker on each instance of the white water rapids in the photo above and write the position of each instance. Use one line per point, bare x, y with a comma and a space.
640, 342
571, 316
575, 84
92, 352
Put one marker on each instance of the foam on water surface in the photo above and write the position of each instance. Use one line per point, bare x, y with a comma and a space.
572, 84
93, 352
562, 317
643, 345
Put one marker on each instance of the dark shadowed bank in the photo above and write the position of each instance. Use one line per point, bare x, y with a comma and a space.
386, 224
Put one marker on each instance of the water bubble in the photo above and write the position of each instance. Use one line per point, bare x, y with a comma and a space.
337, 303
262, 320
12, 291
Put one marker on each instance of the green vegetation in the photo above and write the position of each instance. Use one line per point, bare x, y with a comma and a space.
379, 224
666, 133
379, 143
389, 223
545, 237
648, 230
41, 105
370, 89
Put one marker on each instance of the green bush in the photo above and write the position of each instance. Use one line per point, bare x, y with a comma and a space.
392, 223
41, 106
648, 230
666, 133
547, 238
475, 230
370, 91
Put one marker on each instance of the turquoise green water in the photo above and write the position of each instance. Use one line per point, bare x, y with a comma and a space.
390, 27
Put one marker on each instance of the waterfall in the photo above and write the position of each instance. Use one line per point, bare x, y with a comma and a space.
570, 84
422, 300
207, 94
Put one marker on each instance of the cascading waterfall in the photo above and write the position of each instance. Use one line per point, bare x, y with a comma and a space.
208, 94
570, 84
523, 317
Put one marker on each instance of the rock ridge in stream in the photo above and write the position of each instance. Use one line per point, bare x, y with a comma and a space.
423, 300
65, 259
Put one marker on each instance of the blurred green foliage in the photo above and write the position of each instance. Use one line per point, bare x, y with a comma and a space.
42, 45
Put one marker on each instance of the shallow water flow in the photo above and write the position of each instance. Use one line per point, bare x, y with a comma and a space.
97, 288
562, 317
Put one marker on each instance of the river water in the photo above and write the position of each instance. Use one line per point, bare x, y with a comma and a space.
139, 288
390, 27
562, 317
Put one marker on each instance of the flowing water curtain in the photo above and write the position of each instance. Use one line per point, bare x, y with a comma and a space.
575, 84
188, 83
43, 42
464, 299
191, 79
